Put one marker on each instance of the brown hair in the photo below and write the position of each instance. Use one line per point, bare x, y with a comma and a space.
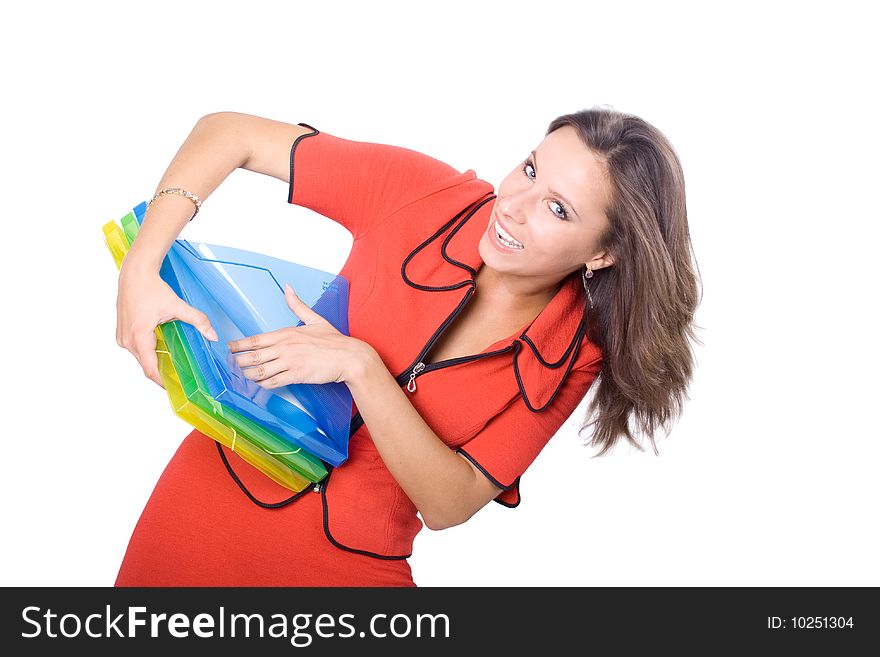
644, 303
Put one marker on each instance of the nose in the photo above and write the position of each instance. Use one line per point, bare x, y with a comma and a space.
512, 209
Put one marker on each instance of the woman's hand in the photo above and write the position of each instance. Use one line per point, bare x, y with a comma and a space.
314, 353
143, 302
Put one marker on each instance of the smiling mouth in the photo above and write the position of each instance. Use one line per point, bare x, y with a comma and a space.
506, 238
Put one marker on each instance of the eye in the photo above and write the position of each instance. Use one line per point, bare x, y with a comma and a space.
564, 214
528, 165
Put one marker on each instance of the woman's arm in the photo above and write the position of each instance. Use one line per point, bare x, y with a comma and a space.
219, 144
445, 487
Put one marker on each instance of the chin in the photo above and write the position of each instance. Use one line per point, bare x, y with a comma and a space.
487, 253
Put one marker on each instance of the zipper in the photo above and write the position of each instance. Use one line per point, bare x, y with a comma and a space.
316, 488
409, 375
418, 366
411, 386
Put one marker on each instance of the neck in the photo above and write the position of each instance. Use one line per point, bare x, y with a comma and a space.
512, 295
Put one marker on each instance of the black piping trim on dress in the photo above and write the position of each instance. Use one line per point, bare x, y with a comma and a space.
385, 557
575, 344
485, 472
265, 505
325, 512
473, 272
508, 505
494, 480
440, 231
292, 150
356, 423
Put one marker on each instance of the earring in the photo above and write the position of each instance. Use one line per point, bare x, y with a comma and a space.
585, 274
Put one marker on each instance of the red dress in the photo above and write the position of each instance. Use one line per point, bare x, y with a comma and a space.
416, 223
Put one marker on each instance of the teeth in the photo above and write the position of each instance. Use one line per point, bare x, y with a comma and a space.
506, 237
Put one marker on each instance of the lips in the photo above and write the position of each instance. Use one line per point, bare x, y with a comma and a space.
504, 228
498, 243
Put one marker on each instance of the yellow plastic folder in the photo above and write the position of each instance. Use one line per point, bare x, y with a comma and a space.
294, 469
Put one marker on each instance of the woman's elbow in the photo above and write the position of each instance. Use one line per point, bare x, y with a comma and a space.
437, 522
436, 526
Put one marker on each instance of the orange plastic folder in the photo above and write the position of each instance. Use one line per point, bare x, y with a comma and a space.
292, 468
242, 294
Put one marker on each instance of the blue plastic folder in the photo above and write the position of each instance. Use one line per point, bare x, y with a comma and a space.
192, 402
242, 293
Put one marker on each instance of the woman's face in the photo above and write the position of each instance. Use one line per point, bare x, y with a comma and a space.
552, 204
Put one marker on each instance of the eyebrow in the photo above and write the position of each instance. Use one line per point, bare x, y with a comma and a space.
554, 192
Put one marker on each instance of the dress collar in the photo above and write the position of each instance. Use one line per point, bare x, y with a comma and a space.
547, 349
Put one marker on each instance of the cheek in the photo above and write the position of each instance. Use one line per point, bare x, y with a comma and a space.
561, 246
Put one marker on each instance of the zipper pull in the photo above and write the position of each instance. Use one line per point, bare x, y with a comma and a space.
411, 386
317, 488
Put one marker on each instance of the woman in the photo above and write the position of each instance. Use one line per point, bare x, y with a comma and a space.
478, 323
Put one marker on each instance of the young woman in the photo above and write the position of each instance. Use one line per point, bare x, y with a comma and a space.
478, 321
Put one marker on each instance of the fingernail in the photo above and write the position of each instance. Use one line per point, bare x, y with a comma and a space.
212, 336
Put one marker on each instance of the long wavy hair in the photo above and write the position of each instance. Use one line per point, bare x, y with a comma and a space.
644, 303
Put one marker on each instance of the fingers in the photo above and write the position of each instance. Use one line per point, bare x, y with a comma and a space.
262, 364
198, 319
257, 357
302, 310
244, 344
157, 379
260, 340
264, 371
145, 352
257, 341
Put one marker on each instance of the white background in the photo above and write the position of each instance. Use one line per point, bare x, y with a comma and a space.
769, 478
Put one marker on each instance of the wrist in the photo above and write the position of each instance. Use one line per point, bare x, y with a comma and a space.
362, 361
135, 263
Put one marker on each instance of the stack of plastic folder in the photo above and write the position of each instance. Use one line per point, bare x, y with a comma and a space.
288, 433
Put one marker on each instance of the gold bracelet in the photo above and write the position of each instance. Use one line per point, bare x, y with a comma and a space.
180, 192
